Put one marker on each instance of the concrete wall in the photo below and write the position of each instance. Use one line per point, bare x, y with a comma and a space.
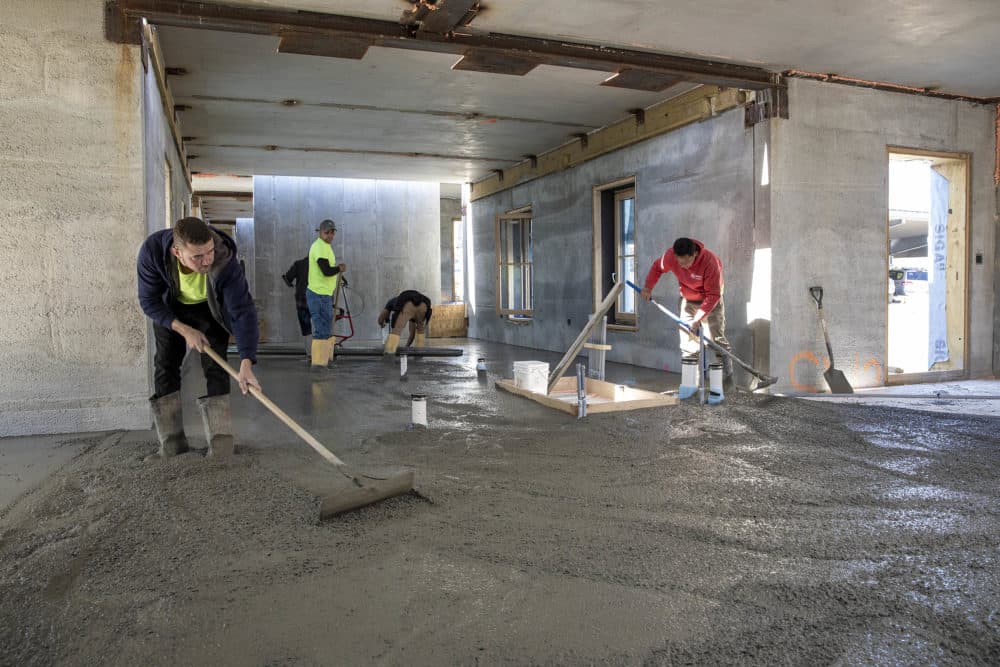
388, 235
697, 181
71, 197
829, 195
451, 210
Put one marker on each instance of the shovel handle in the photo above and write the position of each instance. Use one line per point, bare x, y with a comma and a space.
278, 412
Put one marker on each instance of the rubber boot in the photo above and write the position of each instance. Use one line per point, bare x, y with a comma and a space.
216, 417
420, 339
392, 343
169, 420
333, 351
307, 340
715, 392
320, 355
689, 377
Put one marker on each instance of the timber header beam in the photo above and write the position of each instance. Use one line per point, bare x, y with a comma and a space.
697, 105
463, 40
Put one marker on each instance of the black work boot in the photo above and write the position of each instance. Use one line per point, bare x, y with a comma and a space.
169, 421
218, 422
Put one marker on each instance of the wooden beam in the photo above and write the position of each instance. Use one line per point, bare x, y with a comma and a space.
166, 98
697, 105
577, 345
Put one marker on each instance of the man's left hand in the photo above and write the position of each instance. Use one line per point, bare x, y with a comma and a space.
246, 377
696, 327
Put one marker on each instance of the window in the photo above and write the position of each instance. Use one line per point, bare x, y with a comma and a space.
513, 272
458, 263
168, 191
625, 253
615, 248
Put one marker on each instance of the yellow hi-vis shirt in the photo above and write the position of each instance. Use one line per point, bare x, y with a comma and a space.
319, 283
194, 287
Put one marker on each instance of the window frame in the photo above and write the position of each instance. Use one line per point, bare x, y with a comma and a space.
523, 213
621, 321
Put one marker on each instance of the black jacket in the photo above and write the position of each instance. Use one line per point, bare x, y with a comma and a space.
228, 294
297, 276
396, 304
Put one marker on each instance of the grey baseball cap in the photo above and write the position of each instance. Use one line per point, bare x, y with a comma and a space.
326, 226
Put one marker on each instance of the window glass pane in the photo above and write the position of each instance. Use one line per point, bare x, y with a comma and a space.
628, 226
628, 295
514, 255
458, 268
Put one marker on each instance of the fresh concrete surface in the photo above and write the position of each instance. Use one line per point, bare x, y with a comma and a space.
966, 397
761, 531
26, 461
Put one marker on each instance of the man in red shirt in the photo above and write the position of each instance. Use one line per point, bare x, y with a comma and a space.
699, 275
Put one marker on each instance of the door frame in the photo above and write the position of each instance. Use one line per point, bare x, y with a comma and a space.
933, 376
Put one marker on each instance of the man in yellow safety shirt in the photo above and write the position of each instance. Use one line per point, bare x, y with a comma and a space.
323, 272
192, 286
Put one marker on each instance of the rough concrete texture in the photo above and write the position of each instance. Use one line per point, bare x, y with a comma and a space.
829, 192
696, 181
388, 235
762, 531
71, 198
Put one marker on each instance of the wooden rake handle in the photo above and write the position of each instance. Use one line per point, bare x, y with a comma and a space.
278, 412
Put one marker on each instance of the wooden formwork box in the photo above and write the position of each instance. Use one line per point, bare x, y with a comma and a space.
601, 396
448, 321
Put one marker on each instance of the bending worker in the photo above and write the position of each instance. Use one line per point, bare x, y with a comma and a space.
323, 272
297, 276
699, 276
410, 307
193, 287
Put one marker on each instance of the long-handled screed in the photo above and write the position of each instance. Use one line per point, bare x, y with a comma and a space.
763, 380
363, 492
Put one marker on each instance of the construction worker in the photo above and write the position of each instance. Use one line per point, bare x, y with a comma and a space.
297, 276
410, 307
323, 272
192, 286
699, 277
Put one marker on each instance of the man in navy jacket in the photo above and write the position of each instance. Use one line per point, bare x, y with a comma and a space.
192, 286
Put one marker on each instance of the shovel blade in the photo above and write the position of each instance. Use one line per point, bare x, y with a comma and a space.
838, 383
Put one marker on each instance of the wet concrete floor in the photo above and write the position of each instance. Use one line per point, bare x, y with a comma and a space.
761, 531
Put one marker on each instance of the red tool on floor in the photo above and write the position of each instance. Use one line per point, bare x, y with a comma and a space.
342, 313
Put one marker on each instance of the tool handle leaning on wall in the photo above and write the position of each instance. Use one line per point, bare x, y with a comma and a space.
765, 380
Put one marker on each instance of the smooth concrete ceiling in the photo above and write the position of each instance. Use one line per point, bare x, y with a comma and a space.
406, 114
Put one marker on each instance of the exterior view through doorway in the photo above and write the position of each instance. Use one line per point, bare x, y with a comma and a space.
927, 271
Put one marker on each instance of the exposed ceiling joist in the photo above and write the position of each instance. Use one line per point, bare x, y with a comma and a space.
463, 41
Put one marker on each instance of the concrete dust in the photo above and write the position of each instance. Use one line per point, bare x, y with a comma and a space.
761, 531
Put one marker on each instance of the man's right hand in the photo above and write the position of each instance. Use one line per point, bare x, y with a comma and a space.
646, 293
195, 339
342, 267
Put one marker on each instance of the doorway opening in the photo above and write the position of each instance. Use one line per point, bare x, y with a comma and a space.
927, 271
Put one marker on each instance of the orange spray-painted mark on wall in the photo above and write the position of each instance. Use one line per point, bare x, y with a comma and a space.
859, 371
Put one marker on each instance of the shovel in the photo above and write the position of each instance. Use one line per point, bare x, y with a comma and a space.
838, 383
362, 492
